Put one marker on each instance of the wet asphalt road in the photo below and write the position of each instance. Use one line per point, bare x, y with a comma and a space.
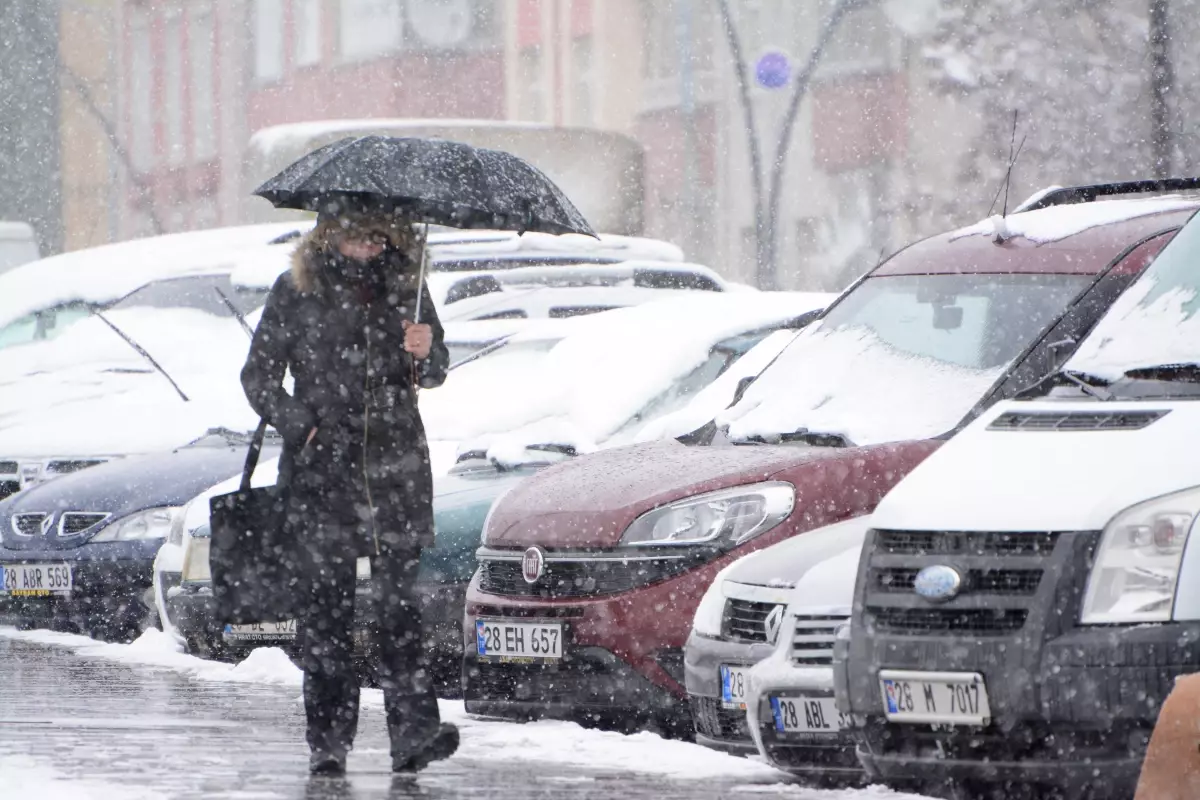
88, 719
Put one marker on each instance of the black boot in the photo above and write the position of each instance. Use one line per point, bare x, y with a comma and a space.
443, 745
323, 763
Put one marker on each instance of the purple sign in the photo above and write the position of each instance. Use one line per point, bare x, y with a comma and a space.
773, 70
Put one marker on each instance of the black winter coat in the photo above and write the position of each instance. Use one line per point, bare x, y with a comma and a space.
363, 485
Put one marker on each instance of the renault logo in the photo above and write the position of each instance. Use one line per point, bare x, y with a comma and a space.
773, 622
938, 583
533, 564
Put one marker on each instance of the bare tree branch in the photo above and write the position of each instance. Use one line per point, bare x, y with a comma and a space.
145, 199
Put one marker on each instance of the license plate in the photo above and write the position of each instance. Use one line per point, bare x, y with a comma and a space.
509, 640
733, 686
954, 698
36, 580
261, 631
806, 715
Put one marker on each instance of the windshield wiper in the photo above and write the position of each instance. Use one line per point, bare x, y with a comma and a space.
237, 312
1171, 373
141, 351
1089, 384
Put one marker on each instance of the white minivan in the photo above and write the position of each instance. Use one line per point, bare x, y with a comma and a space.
1028, 594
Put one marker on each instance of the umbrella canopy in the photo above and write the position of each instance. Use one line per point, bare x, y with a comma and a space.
430, 180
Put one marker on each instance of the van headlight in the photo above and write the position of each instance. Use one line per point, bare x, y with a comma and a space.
710, 614
728, 517
153, 523
1136, 567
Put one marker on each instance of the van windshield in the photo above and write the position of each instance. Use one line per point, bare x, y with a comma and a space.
901, 357
1155, 323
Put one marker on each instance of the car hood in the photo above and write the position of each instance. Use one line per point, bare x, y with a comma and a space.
1057, 479
790, 563
122, 487
590, 501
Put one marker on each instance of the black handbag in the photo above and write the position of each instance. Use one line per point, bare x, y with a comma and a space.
256, 565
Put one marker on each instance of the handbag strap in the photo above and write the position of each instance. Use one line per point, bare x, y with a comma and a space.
252, 454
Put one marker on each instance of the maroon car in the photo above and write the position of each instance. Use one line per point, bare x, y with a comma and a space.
590, 572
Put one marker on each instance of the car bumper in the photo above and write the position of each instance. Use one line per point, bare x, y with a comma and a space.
718, 727
629, 644
108, 579
822, 758
1082, 721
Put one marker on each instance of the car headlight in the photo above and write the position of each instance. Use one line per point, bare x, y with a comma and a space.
728, 517
1137, 564
153, 523
195, 557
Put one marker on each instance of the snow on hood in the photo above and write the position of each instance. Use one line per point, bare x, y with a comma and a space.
827, 588
791, 562
847, 381
1046, 480
103, 274
605, 371
1060, 222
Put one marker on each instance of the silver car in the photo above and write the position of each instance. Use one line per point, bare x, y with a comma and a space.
741, 620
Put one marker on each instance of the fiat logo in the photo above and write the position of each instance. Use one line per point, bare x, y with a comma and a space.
533, 564
938, 583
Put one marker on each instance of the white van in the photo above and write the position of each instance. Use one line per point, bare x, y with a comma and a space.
18, 245
1029, 593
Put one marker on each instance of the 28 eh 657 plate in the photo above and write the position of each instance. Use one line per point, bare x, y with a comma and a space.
35, 580
806, 715
512, 640
954, 698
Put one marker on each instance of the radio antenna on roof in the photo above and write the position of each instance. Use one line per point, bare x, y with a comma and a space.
1013, 154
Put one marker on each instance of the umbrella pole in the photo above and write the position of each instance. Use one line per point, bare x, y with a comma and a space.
421, 274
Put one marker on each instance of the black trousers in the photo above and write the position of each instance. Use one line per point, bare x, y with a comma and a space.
393, 622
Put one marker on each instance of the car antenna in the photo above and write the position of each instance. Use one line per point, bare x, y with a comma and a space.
1013, 154
236, 312
142, 352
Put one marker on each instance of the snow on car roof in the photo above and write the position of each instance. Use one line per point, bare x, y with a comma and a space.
105, 273
449, 247
1055, 223
606, 370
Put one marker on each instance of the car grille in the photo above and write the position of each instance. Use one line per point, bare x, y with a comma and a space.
746, 620
1002, 579
812, 641
1075, 421
8, 488
716, 722
28, 524
991, 581
8, 468
565, 577
72, 523
65, 466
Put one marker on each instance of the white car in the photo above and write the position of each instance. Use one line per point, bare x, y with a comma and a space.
745, 618
791, 711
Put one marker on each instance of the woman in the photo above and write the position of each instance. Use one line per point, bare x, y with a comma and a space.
356, 464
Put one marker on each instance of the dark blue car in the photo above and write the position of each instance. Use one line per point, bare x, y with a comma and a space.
77, 552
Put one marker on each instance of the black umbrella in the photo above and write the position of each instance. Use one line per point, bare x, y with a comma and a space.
429, 180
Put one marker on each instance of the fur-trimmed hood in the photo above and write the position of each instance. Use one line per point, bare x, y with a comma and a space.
315, 246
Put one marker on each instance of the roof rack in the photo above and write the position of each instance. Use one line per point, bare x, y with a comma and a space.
1087, 194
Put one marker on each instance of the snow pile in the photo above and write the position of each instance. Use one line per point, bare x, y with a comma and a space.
849, 382
102, 274
1060, 222
1153, 323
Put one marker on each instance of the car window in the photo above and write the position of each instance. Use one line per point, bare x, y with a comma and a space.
41, 325
21, 331
202, 293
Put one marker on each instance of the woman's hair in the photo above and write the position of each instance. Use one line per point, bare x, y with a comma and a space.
402, 235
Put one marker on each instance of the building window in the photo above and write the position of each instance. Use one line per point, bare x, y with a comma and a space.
141, 94
369, 28
201, 40
583, 105
307, 15
268, 40
532, 83
173, 90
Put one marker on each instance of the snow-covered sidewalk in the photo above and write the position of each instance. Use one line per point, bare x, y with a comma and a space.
559, 743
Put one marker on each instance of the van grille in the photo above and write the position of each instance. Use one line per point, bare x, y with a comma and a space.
950, 620
812, 641
746, 620
1075, 420
717, 722
8, 468
65, 466
991, 581
8, 488
920, 543
576, 578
